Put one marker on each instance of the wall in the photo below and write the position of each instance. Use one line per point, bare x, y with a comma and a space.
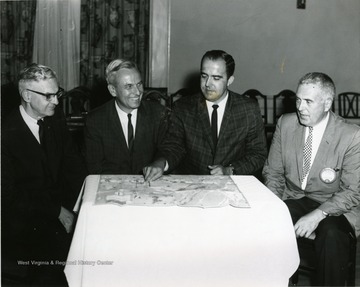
273, 42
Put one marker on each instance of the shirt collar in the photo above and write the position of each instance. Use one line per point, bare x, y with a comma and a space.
221, 104
322, 124
124, 114
26, 117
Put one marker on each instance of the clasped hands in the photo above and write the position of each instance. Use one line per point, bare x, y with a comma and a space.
156, 170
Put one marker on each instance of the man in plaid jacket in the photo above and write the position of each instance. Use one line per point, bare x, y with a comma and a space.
190, 146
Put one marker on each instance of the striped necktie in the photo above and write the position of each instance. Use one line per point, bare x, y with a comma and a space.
307, 154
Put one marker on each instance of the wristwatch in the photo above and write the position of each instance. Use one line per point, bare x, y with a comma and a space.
325, 213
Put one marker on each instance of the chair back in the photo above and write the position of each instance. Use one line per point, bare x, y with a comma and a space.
76, 102
157, 95
284, 102
183, 92
349, 105
261, 100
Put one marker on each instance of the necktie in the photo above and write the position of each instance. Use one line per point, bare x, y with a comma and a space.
130, 133
307, 154
214, 129
41, 131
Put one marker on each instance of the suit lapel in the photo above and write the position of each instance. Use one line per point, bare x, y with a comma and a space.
226, 118
50, 152
299, 145
142, 122
203, 117
115, 125
323, 150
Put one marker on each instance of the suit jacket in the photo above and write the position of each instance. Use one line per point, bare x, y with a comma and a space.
106, 148
35, 184
339, 149
241, 140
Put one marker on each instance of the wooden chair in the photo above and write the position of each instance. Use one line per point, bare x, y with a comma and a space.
288, 104
183, 92
308, 263
349, 105
76, 102
76, 105
156, 94
262, 101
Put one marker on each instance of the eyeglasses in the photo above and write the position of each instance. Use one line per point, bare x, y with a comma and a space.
49, 96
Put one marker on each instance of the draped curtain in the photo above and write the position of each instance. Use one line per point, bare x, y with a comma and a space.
77, 43
17, 33
57, 39
112, 29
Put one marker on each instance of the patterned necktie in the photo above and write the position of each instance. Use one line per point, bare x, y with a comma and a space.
130, 133
41, 131
214, 129
307, 154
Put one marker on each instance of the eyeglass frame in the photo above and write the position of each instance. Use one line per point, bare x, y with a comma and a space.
60, 93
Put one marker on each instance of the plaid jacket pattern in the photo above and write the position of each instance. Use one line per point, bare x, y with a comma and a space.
189, 148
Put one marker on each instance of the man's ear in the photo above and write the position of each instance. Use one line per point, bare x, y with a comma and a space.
230, 80
112, 91
328, 104
25, 95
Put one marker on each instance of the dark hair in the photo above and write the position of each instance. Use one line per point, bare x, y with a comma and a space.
324, 81
219, 54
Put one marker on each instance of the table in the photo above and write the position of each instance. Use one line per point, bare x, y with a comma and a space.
183, 246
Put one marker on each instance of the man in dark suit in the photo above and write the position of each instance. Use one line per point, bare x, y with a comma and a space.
122, 136
40, 181
215, 132
314, 166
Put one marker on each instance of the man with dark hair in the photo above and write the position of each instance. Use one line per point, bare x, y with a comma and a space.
314, 166
41, 178
122, 136
215, 132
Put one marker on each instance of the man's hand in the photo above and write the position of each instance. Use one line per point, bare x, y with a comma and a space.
154, 170
67, 219
220, 170
307, 224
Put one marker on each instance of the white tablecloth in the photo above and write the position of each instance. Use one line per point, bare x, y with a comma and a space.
183, 246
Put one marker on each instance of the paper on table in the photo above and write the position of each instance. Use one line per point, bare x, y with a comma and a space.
170, 190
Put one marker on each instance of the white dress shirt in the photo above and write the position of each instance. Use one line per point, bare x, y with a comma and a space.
318, 132
124, 121
220, 110
31, 123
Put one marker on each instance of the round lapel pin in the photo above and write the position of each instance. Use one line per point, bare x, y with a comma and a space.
328, 175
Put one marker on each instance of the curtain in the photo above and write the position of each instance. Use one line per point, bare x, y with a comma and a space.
77, 44
17, 30
57, 39
159, 43
112, 29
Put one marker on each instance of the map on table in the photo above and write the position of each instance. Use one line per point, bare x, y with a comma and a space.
170, 190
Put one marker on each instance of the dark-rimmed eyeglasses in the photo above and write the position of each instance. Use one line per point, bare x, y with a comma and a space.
49, 96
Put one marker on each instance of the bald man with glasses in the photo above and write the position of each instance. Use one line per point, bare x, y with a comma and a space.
41, 178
